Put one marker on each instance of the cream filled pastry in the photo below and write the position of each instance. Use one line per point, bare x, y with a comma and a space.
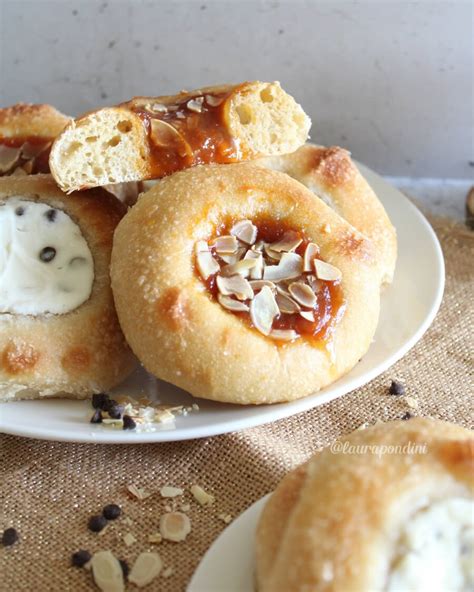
59, 333
45, 263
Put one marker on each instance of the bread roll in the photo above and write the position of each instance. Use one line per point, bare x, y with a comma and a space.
150, 137
386, 509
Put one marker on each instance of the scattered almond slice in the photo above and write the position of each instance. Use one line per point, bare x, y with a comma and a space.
175, 526
155, 538
284, 334
227, 518
235, 285
170, 491
184, 507
289, 267
145, 569
242, 267
127, 521
129, 539
225, 245
286, 304
232, 258
314, 283
308, 315
107, 572
256, 271
201, 246
163, 416
245, 231
8, 158
168, 572
275, 255
309, 256
139, 493
164, 134
213, 101
303, 294
411, 402
259, 284
231, 304
289, 242
201, 496
156, 108
263, 310
195, 104
326, 271
206, 263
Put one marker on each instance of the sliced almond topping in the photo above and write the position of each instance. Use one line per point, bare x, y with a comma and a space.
256, 271
138, 492
184, 507
107, 572
259, 284
303, 294
245, 231
309, 255
308, 315
284, 334
8, 158
146, 567
242, 267
226, 245
202, 497
28, 166
156, 108
233, 257
263, 310
164, 134
201, 247
175, 526
286, 304
314, 283
275, 255
289, 267
289, 242
31, 150
155, 538
326, 271
232, 304
195, 104
227, 518
170, 491
168, 572
213, 101
129, 539
206, 263
235, 286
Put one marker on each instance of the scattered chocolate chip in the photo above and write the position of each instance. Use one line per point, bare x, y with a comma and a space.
407, 415
9, 537
128, 423
47, 254
80, 558
20, 211
97, 417
396, 388
115, 412
51, 215
111, 511
98, 400
125, 568
108, 404
97, 523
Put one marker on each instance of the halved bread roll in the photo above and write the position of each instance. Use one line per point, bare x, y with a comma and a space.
150, 137
386, 509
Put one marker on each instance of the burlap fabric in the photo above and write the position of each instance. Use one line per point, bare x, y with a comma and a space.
49, 490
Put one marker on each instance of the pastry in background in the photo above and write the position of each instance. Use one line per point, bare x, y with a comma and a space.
384, 509
26, 134
151, 137
237, 284
59, 333
333, 177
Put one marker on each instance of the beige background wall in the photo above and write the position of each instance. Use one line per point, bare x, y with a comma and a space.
393, 81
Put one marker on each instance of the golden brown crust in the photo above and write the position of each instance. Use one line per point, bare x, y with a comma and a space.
183, 336
331, 175
345, 514
77, 353
26, 121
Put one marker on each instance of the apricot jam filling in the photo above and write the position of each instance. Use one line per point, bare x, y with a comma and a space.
273, 278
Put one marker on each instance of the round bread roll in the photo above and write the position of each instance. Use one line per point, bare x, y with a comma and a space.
386, 509
59, 333
333, 177
204, 306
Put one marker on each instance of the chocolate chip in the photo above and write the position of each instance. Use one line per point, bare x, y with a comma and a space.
108, 404
47, 254
99, 400
20, 211
128, 423
125, 568
80, 558
9, 537
115, 411
111, 511
51, 215
97, 417
407, 415
396, 388
97, 523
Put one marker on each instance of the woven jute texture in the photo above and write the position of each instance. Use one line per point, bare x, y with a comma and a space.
49, 490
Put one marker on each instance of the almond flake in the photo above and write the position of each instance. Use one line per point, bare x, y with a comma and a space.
256, 271
155, 538
107, 572
195, 104
309, 255
232, 258
289, 242
231, 304
175, 526
303, 294
170, 491
31, 150
213, 101
184, 507
206, 263
284, 334
259, 284
234, 286
326, 271
127, 521
411, 402
163, 416
145, 569
286, 304
308, 315
226, 245
263, 310
129, 539
275, 255
314, 283
201, 246
245, 231
8, 158
169, 571
156, 108
201, 496
227, 518
139, 493
289, 267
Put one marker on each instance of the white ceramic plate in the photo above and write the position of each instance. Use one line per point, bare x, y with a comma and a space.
409, 306
229, 563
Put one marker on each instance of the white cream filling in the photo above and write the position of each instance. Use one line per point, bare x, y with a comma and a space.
45, 263
435, 552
